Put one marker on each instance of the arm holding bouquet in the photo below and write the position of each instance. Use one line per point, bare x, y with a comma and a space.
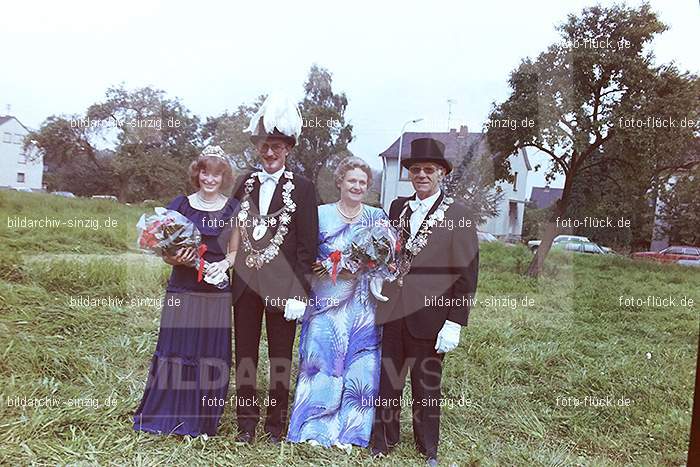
182, 257
372, 253
178, 241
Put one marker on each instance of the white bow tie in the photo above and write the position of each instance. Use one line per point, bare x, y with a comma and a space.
417, 205
264, 176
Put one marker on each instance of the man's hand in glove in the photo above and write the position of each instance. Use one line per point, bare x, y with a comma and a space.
375, 286
448, 337
294, 309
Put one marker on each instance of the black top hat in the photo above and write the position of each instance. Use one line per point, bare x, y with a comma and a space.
427, 150
261, 135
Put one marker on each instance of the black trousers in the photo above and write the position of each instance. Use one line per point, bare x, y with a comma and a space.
402, 353
247, 321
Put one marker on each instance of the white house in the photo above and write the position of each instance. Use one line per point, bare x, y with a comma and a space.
16, 170
509, 221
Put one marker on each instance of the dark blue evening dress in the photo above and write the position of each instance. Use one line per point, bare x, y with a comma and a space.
189, 374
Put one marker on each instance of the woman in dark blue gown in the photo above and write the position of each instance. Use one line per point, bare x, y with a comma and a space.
189, 373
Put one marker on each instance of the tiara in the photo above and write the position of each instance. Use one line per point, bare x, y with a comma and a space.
214, 151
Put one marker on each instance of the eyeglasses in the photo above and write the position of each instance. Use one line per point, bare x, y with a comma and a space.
277, 148
415, 170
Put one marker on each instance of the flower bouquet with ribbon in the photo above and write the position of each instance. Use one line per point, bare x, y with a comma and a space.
372, 252
166, 232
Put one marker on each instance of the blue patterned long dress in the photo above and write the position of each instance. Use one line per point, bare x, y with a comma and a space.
339, 347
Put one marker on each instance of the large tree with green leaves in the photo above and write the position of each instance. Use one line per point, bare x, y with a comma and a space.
325, 135
156, 137
324, 139
586, 95
148, 138
679, 212
227, 130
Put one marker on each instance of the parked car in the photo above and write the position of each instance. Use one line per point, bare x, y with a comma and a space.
689, 262
609, 251
485, 237
23, 189
580, 247
671, 254
109, 197
65, 194
534, 244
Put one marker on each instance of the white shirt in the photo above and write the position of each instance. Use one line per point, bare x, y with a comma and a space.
420, 208
267, 189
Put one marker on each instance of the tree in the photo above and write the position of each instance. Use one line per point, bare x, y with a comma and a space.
325, 135
227, 131
474, 179
157, 138
152, 138
62, 139
81, 178
585, 96
680, 211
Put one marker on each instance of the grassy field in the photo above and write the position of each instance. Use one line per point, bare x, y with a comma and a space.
514, 380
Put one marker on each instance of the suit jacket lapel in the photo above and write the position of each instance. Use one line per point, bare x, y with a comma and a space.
405, 219
255, 194
433, 208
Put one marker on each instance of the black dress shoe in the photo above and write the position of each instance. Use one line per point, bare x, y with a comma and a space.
244, 437
274, 439
378, 453
431, 462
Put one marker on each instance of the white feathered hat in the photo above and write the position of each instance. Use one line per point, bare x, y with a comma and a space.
277, 117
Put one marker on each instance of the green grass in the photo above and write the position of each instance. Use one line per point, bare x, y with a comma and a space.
511, 366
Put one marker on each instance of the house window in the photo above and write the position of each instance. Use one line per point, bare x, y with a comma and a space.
20, 177
7, 137
512, 217
18, 138
515, 182
22, 158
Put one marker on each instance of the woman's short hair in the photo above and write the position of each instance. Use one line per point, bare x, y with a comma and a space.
350, 163
213, 164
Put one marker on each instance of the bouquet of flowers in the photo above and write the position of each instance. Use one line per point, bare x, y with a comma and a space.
372, 251
166, 232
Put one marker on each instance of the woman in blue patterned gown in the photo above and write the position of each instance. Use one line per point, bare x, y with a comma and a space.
339, 345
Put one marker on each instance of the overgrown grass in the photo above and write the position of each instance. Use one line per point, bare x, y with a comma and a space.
514, 367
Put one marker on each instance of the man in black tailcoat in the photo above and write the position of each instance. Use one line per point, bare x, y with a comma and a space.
428, 304
278, 227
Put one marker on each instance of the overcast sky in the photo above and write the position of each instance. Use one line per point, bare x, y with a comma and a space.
395, 60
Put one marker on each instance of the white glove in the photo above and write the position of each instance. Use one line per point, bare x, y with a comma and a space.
448, 337
217, 267
216, 278
294, 309
375, 286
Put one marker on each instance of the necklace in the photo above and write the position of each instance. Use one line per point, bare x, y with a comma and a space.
258, 257
204, 204
337, 206
412, 246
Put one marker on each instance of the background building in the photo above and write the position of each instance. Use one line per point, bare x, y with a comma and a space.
509, 221
16, 168
545, 196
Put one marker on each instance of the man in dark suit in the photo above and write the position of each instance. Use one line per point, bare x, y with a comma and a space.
278, 226
428, 304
